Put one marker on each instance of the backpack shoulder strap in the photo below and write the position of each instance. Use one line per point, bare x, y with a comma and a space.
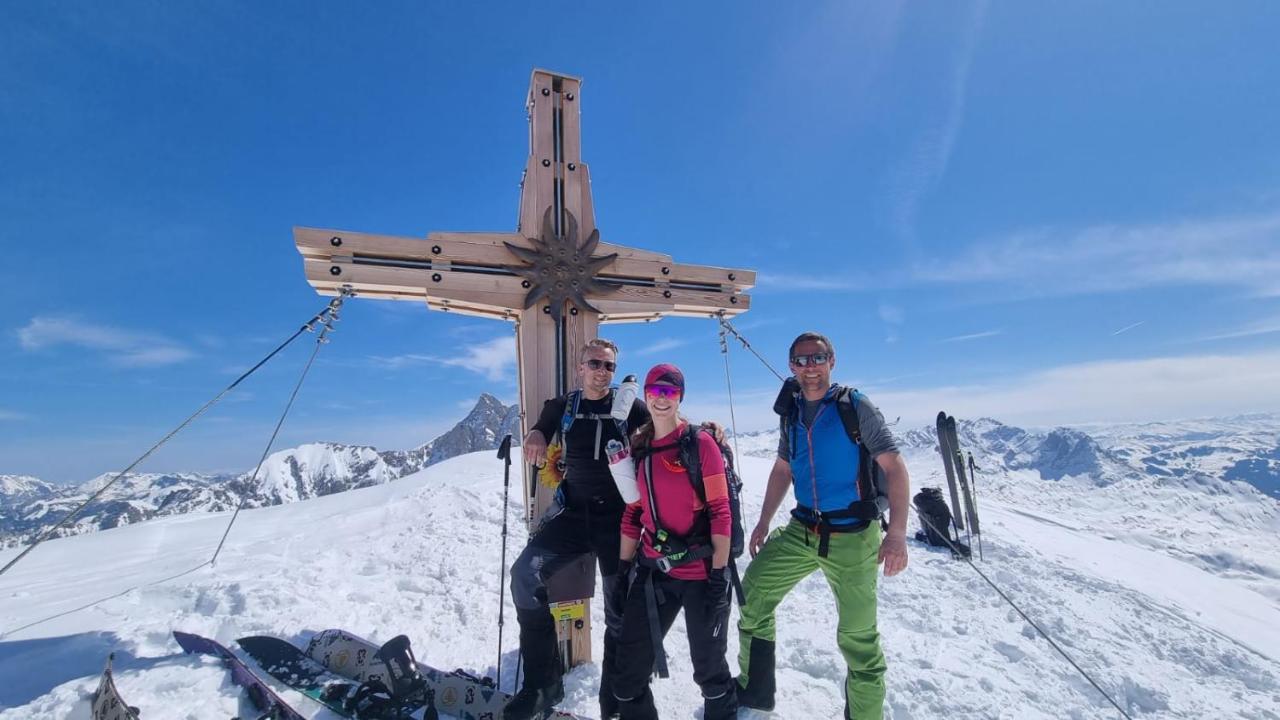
692, 460
571, 402
847, 406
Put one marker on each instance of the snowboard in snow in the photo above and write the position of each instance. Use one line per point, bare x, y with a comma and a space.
107, 703
288, 664
456, 693
261, 694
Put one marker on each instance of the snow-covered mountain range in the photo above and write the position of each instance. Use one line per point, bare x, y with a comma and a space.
1164, 592
1200, 453
1143, 468
28, 505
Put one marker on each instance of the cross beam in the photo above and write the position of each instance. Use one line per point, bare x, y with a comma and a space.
553, 277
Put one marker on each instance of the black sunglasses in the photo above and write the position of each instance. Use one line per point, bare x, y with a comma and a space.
595, 364
815, 358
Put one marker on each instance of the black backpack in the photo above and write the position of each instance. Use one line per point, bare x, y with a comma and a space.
936, 519
692, 462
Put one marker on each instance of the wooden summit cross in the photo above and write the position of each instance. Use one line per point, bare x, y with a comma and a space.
552, 277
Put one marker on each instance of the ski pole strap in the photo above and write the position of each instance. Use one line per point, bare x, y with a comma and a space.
655, 626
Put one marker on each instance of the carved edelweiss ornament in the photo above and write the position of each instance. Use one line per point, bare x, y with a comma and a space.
559, 269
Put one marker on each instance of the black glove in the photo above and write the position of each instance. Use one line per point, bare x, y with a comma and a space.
718, 600
621, 586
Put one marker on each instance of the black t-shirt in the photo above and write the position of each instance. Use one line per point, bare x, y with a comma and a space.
586, 473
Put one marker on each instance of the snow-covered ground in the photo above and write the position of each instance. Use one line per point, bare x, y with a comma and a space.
1162, 626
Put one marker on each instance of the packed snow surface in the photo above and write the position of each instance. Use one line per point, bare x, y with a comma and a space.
1166, 630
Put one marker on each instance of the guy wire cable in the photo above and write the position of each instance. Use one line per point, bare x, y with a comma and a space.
318, 317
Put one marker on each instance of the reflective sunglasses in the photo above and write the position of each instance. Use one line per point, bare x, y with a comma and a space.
595, 364
663, 391
806, 360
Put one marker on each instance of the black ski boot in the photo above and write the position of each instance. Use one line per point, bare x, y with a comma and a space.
609, 709
722, 707
639, 708
756, 689
534, 703
542, 684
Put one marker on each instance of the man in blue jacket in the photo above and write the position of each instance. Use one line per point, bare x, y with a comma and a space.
834, 527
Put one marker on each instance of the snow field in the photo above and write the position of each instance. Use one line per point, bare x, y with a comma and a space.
1166, 636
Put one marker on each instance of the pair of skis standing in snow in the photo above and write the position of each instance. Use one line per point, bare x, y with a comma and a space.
665, 542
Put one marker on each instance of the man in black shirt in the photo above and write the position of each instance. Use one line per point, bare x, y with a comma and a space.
586, 517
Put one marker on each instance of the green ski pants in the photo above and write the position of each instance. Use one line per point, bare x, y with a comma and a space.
791, 555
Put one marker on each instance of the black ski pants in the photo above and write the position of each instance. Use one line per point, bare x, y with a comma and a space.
635, 654
565, 535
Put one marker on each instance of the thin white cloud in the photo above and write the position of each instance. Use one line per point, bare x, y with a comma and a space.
927, 163
972, 336
1264, 327
1106, 391
780, 281
891, 314
1162, 388
1229, 251
661, 346
1127, 328
120, 346
494, 359
893, 317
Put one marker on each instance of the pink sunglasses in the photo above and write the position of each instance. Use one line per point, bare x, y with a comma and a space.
662, 391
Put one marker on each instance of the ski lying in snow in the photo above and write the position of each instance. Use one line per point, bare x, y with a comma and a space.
107, 703
457, 693
263, 697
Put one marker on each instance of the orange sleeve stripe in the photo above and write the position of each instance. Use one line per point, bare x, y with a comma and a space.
716, 486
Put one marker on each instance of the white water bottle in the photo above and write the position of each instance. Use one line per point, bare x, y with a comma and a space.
622, 470
625, 398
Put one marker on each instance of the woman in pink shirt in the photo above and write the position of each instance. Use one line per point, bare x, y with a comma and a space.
682, 538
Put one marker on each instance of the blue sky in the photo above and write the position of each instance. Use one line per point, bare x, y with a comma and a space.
1045, 213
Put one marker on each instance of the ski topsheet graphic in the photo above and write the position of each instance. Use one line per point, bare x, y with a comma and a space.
107, 703
260, 694
456, 693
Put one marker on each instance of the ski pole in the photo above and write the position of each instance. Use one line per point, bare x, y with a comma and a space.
504, 454
973, 482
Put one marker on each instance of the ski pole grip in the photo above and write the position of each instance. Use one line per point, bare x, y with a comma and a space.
504, 450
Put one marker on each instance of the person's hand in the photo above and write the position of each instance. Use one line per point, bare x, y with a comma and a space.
718, 600
535, 448
758, 536
893, 553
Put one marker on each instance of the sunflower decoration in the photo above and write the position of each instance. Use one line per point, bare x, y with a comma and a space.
552, 471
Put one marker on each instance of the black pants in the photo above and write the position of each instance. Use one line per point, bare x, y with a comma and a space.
635, 653
587, 526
